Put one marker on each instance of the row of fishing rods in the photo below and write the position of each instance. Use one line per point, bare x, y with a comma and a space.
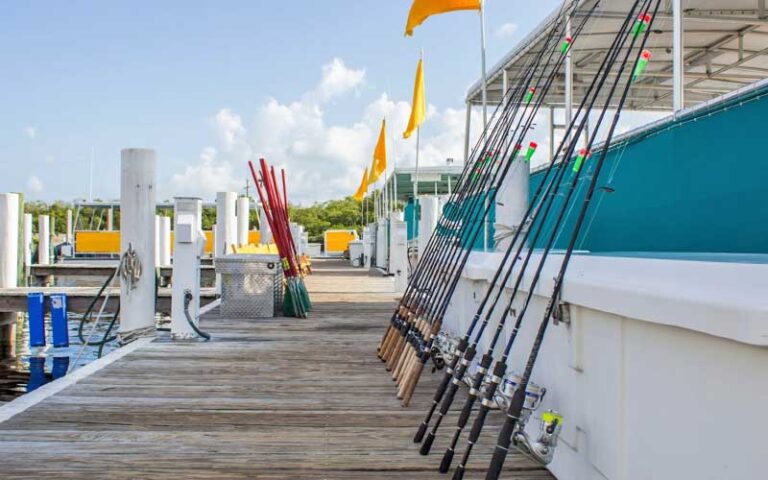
433, 283
407, 344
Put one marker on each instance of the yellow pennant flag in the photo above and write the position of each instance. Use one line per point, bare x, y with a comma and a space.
379, 164
422, 9
363, 188
419, 105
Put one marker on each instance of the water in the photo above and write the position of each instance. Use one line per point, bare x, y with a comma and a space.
24, 369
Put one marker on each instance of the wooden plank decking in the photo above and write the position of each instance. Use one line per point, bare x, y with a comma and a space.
277, 399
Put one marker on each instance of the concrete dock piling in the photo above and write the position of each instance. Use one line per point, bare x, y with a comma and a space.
137, 239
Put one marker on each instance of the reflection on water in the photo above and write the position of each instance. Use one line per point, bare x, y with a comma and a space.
24, 369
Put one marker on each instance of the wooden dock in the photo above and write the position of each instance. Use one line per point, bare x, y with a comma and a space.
276, 399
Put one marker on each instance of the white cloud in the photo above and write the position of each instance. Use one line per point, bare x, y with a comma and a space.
337, 80
507, 30
34, 184
30, 132
208, 176
323, 161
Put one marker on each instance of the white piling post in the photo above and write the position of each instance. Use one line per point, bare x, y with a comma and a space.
137, 238
110, 219
157, 241
27, 239
398, 251
511, 204
243, 220
9, 257
69, 238
264, 231
44, 240
226, 223
165, 241
430, 207
189, 244
9, 240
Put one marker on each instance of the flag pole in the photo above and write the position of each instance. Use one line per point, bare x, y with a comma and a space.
416, 183
485, 102
482, 63
416, 176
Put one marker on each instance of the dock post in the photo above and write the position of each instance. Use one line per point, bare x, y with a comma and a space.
430, 214
9, 259
398, 254
27, 241
189, 245
511, 205
157, 241
110, 219
44, 240
243, 220
69, 238
137, 240
226, 223
265, 233
165, 241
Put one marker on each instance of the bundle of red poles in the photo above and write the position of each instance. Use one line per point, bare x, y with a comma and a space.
275, 203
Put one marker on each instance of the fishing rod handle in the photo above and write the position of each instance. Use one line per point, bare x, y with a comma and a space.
502, 448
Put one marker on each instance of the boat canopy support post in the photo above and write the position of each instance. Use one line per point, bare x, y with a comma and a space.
678, 88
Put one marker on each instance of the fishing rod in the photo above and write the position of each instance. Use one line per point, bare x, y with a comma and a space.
440, 260
500, 368
539, 227
407, 310
421, 351
454, 374
424, 350
463, 344
434, 250
449, 272
518, 398
487, 172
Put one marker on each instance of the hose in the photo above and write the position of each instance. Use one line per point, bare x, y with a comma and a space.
187, 300
89, 311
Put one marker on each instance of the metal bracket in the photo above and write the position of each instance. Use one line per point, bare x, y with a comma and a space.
561, 313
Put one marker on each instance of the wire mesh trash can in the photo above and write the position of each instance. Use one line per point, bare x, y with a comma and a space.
251, 286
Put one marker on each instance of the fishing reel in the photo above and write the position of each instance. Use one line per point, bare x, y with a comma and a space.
543, 448
534, 394
444, 349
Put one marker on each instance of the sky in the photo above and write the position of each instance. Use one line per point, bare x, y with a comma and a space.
209, 85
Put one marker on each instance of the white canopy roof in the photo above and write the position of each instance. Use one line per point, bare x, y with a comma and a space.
725, 45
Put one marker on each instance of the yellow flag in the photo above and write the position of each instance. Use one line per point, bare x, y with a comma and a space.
422, 9
363, 188
379, 164
419, 105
